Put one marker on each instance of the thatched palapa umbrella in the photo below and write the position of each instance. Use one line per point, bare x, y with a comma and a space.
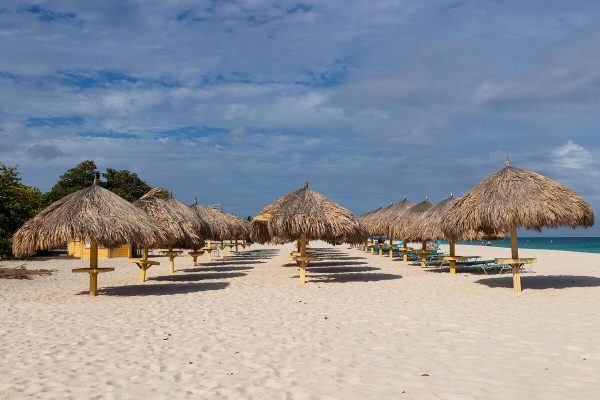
389, 216
513, 198
223, 226
305, 215
365, 220
186, 228
403, 226
429, 227
94, 215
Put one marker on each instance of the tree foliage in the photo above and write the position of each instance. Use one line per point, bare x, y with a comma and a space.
126, 184
18, 203
76, 178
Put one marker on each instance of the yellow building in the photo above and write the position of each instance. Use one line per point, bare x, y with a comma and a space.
80, 249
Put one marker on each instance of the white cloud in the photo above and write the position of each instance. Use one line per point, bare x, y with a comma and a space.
573, 156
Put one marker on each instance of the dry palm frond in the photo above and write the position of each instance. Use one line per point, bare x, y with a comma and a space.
429, 225
93, 213
306, 212
514, 197
186, 228
382, 221
223, 226
402, 225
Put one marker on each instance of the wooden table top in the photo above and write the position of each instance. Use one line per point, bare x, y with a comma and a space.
516, 260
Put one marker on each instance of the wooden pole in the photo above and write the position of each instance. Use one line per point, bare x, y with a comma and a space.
209, 251
171, 260
143, 268
236, 245
391, 243
303, 263
452, 254
404, 252
424, 254
516, 268
373, 247
380, 246
93, 268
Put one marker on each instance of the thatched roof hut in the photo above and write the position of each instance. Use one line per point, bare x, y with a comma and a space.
403, 225
429, 225
386, 217
515, 197
366, 218
306, 212
223, 226
93, 213
186, 227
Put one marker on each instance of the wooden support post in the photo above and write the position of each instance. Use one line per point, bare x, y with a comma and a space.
452, 254
93, 268
424, 254
516, 269
236, 245
373, 247
302, 264
144, 268
171, 260
380, 247
209, 249
391, 245
404, 252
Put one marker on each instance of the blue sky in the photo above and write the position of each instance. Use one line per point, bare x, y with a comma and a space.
238, 102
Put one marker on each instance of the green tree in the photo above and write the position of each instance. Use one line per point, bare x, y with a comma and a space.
126, 184
77, 178
18, 203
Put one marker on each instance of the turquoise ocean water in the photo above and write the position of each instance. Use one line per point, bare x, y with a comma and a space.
579, 244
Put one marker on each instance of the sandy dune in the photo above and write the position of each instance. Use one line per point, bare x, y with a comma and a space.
363, 327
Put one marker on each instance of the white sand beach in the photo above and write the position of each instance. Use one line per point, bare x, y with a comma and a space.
363, 327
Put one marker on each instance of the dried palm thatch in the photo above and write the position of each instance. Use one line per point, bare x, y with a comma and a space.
429, 225
512, 198
186, 227
403, 224
384, 219
93, 213
306, 212
369, 219
223, 226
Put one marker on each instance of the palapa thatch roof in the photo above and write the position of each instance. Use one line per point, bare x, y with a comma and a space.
223, 226
403, 226
429, 225
515, 197
186, 227
383, 220
93, 213
305, 211
368, 219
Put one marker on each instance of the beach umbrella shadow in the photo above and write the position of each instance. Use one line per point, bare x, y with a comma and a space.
159, 289
352, 277
216, 268
543, 282
318, 269
198, 277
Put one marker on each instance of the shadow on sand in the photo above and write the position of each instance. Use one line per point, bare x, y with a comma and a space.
318, 269
543, 281
230, 261
215, 268
351, 277
197, 277
158, 289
